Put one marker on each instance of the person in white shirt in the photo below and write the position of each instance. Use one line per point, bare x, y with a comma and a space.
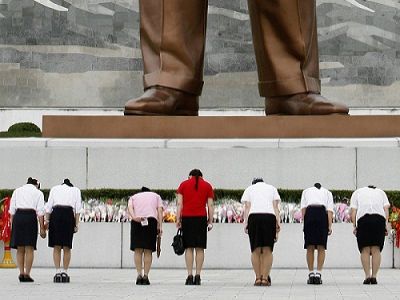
26, 208
370, 214
317, 211
262, 223
62, 220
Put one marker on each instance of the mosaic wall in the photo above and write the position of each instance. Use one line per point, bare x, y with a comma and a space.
86, 52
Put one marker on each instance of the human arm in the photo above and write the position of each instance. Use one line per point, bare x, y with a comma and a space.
42, 227
247, 206
131, 211
353, 220
210, 209
179, 210
330, 221
386, 208
78, 208
277, 214
159, 219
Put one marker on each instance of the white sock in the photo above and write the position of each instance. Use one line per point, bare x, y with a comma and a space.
65, 271
58, 271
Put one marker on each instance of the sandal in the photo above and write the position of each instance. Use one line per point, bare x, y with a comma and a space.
257, 282
265, 282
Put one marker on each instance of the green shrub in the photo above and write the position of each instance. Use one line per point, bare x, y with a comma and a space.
291, 196
24, 129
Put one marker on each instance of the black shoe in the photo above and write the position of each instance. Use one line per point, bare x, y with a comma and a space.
139, 280
197, 280
57, 278
373, 280
189, 280
318, 279
311, 278
21, 278
145, 280
367, 281
28, 278
64, 277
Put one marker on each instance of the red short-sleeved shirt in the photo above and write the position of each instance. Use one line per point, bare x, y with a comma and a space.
194, 201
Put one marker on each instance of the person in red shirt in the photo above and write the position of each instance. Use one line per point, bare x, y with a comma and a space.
195, 215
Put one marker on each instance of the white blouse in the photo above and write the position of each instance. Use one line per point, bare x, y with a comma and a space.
261, 197
369, 201
66, 196
27, 196
315, 196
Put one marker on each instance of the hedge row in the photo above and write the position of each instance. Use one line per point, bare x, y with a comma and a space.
291, 196
24, 129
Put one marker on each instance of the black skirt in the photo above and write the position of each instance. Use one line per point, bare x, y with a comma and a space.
316, 227
144, 237
61, 227
194, 231
262, 230
371, 231
24, 229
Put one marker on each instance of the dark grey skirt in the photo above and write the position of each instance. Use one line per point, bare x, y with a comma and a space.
194, 231
316, 226
371, 231
24, 229
262, 230
144, 237
61, 227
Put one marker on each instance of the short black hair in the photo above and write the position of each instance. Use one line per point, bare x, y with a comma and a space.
68, 182
145, 189
256, 180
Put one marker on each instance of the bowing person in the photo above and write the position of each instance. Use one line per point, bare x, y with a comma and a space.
26, 208
262, 224
317, 210
146, 212
370, 214
62, 219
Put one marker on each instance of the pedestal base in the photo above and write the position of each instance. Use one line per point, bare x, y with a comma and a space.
333, 126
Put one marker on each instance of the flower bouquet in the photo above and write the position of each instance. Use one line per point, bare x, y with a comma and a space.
394, 219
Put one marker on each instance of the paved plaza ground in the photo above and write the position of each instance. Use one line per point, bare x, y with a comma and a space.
216, 284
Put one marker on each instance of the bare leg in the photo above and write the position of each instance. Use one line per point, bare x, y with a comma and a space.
138, 258
66, 257
148, 259
321, 258
28, 259
57, 257
376, 260
365, 261
266, 262
199, 260
310, 258
189, 260
21, 260
256, 262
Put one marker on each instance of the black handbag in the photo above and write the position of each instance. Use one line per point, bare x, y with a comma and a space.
177, 243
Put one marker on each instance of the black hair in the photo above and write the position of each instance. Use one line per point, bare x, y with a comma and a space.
145, 189
33, 181
256, 180
67, 182
372, 187
317, 185
196, 173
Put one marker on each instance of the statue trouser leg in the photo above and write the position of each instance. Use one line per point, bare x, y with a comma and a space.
172, 36
286, 49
